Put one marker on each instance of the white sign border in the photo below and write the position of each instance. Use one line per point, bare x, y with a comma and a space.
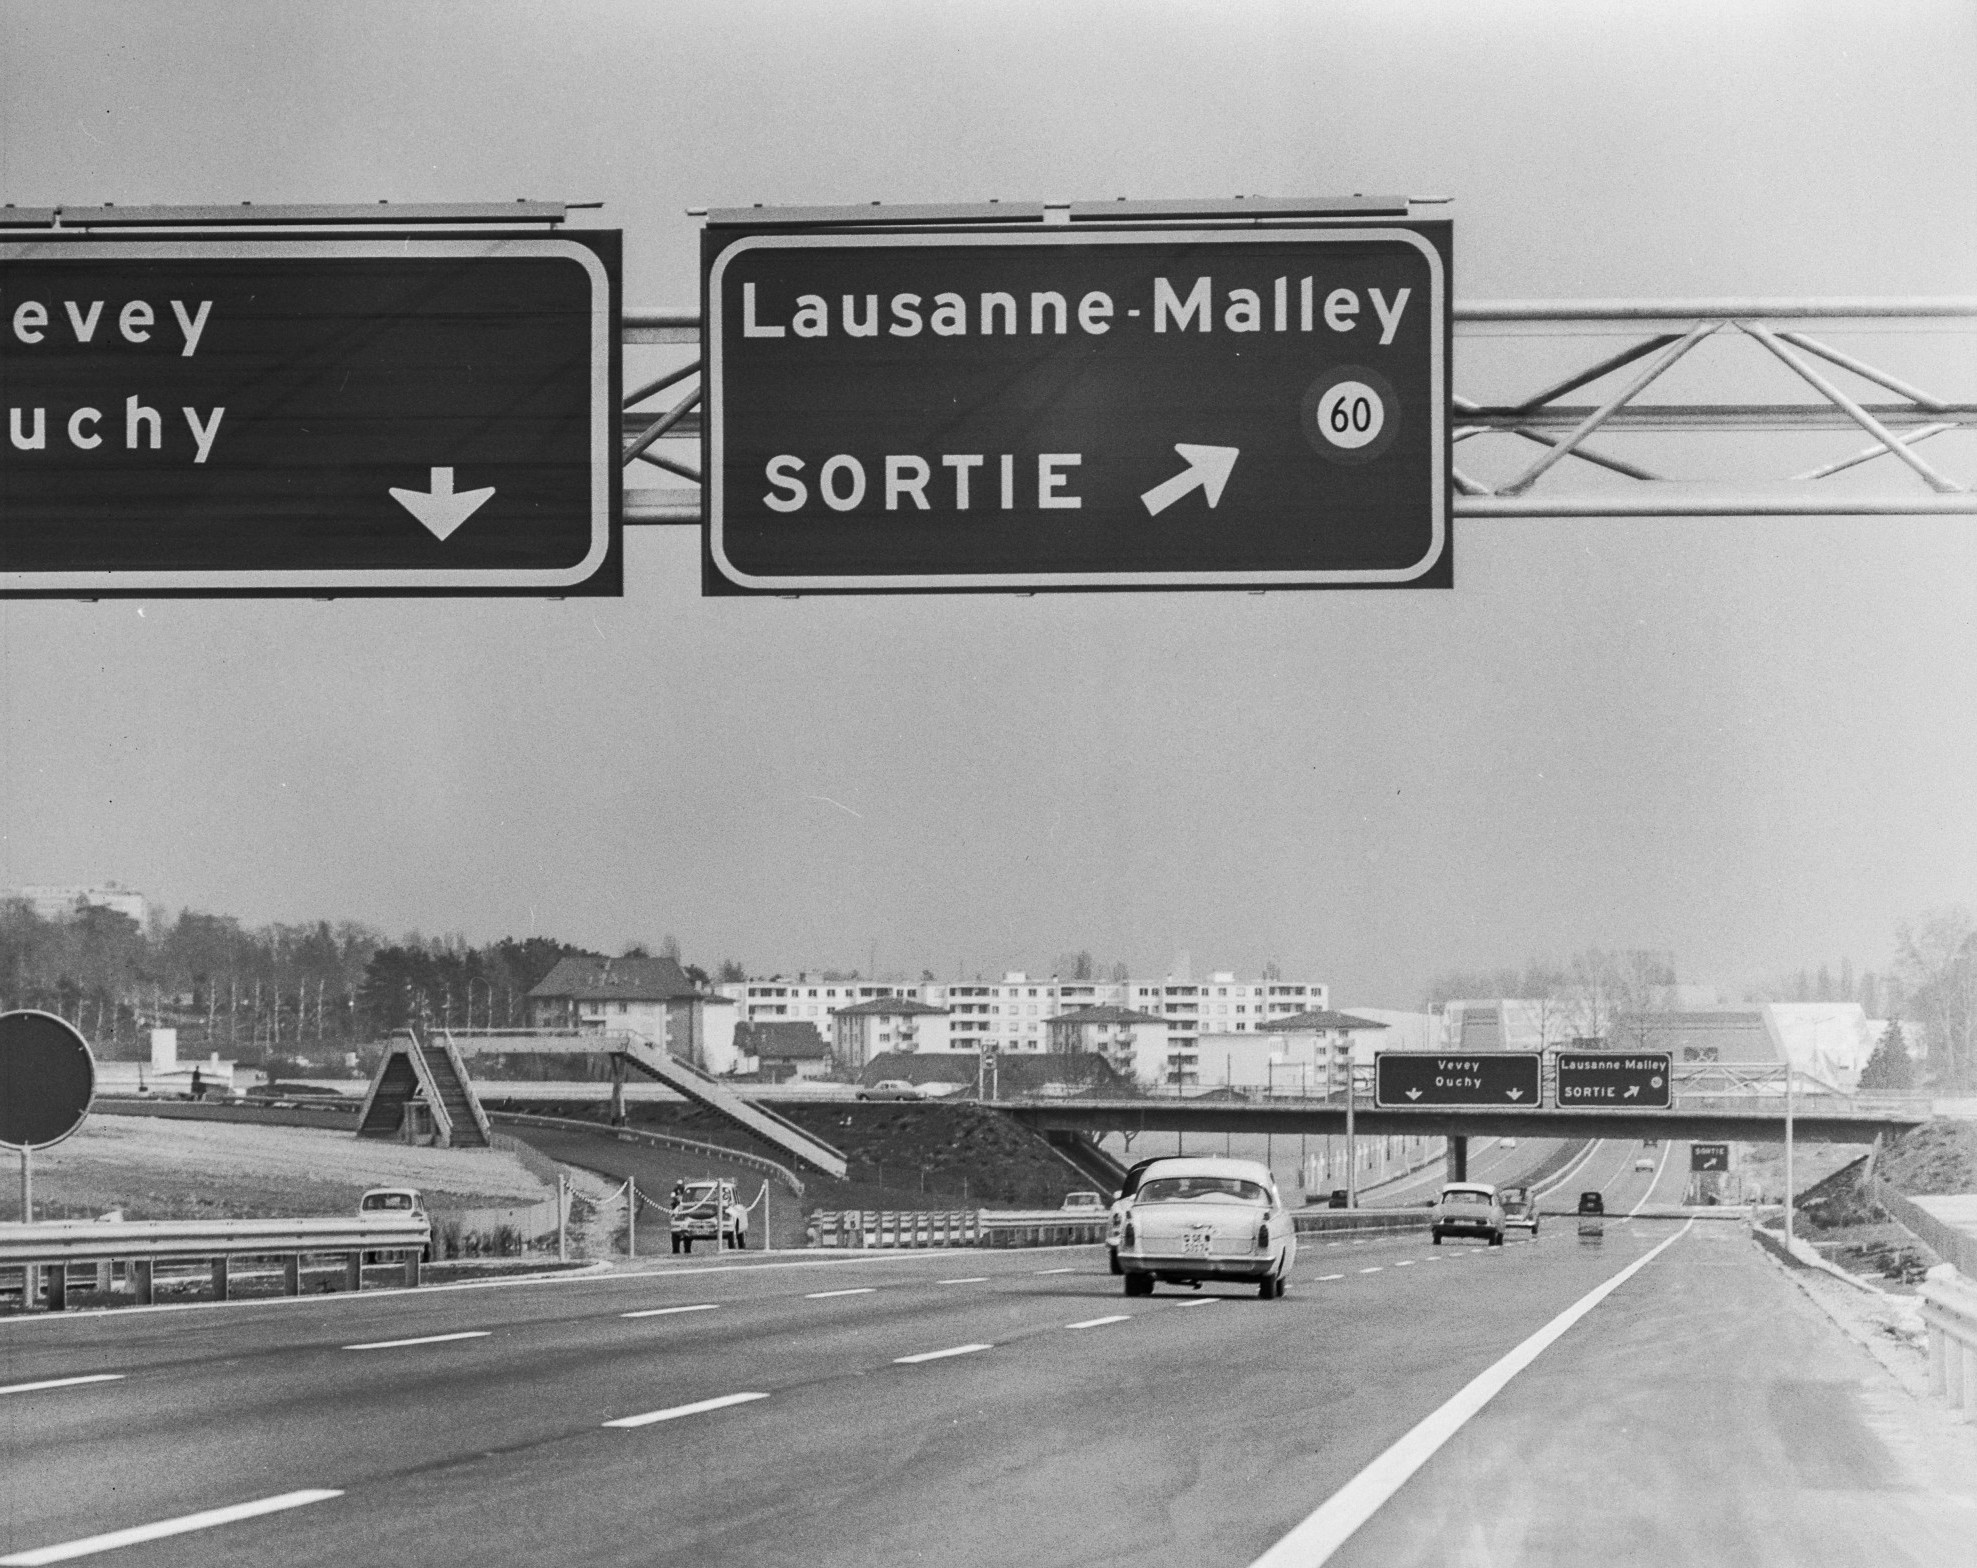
1029, 581
357, 580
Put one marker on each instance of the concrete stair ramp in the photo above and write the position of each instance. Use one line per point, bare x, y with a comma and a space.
431, 1072
701, 1088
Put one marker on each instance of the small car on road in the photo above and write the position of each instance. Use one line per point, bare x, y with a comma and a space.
1592, 1203
1196, 1219
1467, 1208
1083, 1203
1644, 1163
1520, 1208
890, 1089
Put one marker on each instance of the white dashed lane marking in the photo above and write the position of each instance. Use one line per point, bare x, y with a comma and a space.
88, 1546
939, 1355
1322, 1278
1057, 1271
62, 1382
972, 1279
1117, 1317
664, 1312
424, 1339
1204, 1301
1373, 1270
676, 1411
826, 1295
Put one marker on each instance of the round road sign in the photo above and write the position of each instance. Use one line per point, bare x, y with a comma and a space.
47, 1077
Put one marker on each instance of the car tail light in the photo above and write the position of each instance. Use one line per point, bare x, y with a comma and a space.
1127, 1238
1263, 1234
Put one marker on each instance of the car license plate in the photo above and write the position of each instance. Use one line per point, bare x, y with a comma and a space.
1195, 1241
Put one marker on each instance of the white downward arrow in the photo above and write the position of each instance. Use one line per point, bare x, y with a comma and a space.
441, 509
1513, 1094
1414, 1094
1208, 466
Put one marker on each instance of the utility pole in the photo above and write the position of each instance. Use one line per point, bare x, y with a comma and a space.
1351, 1143
1788, 1154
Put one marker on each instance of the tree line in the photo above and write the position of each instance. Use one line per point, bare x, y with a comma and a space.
267, 992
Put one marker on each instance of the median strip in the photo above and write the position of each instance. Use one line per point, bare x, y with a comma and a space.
675, 1412
88, 1546
663, 1312
826, 1295
62, 1382
424, 1339
939, 1355
1117, 1317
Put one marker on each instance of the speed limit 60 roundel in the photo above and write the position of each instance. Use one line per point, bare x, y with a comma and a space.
47, 1079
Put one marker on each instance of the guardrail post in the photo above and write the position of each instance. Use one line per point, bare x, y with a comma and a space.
1939, 1382
353, 1271
412, 1267
58, 1287
291, 1274
140, 1281
1969, 1390
219, 1279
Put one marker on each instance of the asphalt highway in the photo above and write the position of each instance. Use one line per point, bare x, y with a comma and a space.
980, 1407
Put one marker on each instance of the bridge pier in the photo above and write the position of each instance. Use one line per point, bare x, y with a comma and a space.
617, 1090
1457, 1159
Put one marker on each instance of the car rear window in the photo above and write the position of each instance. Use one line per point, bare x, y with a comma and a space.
1481, 1198
388, 1200
1184, 1189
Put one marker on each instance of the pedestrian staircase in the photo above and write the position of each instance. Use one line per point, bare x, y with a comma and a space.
428, 1075
1081, 1151
704, 1089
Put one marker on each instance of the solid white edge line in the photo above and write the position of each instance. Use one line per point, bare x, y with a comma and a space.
1117, 1317
1666, 1150
664, 1312
89, 1545
694, 1409
423, 1339
1332, 1523
63, 1382
826, 1295
938, 1355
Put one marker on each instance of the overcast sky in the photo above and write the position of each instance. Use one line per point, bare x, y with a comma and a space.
1749, 742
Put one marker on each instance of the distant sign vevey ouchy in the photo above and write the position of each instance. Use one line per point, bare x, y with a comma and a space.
1492, 1078
338, 414
47, 1079
1132, 395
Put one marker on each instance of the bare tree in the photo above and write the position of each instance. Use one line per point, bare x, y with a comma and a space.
1938, 968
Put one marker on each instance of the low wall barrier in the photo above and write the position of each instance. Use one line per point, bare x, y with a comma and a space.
1946, 1241
657, 1140
1318, 1221
340, 1115
142, 1245
890, 1228
1949, 1313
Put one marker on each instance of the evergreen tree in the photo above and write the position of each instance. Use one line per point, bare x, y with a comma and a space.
1889, 1069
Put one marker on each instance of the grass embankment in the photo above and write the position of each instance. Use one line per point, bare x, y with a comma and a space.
1839, 1216
156, 1169
901, 1157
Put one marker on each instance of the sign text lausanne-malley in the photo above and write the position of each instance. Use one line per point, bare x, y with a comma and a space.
1075, 405
335, 414
1625, 1080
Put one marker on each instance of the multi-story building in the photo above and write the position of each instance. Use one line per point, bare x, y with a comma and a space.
651, 998
1134, 1043
1014, 1013
58, 903
886, 1023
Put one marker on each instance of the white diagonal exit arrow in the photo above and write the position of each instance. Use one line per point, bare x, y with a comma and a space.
441, 509
1208, 466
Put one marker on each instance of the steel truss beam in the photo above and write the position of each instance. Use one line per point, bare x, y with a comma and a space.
1895, 428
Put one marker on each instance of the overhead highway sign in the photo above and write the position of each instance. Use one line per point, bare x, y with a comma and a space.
1106, 395
1625, 1080
337, 414
1490, 1078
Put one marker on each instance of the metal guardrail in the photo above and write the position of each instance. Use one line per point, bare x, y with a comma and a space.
142, 1244
1316, 1221
889, 1228
659, 1140
1949, 1313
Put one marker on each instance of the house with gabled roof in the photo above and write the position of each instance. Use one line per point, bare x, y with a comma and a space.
651, 998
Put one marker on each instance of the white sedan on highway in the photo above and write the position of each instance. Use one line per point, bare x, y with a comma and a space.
1194, 1220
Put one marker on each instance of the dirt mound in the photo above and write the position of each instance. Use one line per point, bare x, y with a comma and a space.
1841, 1200
1938, 1157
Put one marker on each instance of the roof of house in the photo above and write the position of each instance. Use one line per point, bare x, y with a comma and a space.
884, 1005
781, 1041
1323, 1019
1105, 1014
616, 980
